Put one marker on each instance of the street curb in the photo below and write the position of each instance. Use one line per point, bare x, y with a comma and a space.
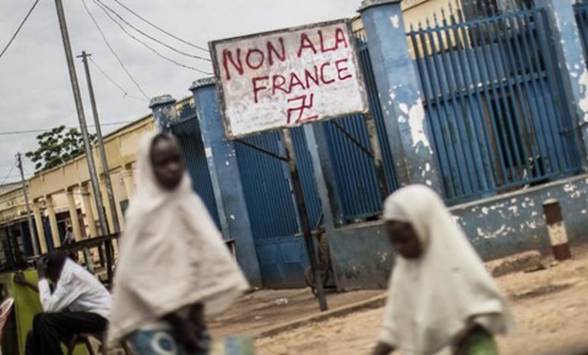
371, 303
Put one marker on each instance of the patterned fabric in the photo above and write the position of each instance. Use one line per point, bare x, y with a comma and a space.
162, 342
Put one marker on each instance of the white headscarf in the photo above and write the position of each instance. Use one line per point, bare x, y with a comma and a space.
171, 255
434, 298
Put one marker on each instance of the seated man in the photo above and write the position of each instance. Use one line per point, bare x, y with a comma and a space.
78, 304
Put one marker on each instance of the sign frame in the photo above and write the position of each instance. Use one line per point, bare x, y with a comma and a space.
353, 47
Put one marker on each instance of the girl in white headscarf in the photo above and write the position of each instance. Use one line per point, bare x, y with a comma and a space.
441, 298
174, 266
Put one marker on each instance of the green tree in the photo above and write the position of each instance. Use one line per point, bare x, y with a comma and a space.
57, 146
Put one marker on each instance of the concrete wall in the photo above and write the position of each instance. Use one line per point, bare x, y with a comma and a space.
514, 222
497, 227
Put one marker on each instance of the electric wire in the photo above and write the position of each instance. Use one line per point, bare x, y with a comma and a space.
159, 28
113, 82
112, 11
112, 50
155, 51
40, 130
20, 26
7, 175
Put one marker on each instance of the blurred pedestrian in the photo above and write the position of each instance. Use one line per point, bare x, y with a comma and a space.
174, 266
441, 298
79, 303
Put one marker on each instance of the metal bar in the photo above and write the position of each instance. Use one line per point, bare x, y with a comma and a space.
303, 217
352, 138
515, 91
550, 67
535, 64
377, 155
495, 106
515, 51
457, 76
262, 150
438, 85
448, 69
486, 87
482, 135
533, 94
510, 137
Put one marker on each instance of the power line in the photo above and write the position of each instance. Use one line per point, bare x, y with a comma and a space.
19, 28
155, 51
7, 175
109, 78
113, 51
159, 28
30, 131
149, 36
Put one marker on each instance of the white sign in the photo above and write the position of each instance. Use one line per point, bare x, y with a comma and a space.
288, 77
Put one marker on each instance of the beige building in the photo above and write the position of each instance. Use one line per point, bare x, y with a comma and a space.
62, 196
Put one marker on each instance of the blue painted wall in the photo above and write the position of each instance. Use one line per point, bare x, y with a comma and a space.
497, 227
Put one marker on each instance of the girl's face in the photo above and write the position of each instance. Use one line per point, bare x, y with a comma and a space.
167, 162
404, 239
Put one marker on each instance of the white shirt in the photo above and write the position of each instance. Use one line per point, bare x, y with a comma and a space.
77, 290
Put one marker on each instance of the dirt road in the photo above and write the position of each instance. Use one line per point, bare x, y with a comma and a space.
550, 307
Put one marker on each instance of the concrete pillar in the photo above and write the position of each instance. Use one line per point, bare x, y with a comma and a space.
39, 227
400, 97
53, 221
164, 111
226, 179
572, 64
88, 211
73, 215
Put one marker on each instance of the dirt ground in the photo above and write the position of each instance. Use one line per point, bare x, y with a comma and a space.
550, 307
263, 310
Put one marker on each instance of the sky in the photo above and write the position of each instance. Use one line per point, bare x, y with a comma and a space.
35, 92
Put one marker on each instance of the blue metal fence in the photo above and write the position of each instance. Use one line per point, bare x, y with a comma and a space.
271, 208
187, 131
350, 151
581, 11
495, 102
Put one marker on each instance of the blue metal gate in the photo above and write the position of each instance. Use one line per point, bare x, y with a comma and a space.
187, 131
581, 11
495, 102
270, 203
268, 192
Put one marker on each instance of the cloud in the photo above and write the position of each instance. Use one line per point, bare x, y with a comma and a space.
34, 86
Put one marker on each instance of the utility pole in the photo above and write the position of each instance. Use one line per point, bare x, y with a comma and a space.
73, 78
25, 191
103, 158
